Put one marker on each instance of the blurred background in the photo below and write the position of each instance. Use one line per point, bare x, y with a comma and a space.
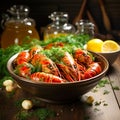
92, 9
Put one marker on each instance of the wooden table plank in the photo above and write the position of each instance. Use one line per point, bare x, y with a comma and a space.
114, 77
108, 102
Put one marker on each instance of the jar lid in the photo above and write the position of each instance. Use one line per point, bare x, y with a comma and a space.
85, 23
19, 10
58, 16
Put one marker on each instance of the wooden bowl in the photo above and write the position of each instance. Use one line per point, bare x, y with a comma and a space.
61, 92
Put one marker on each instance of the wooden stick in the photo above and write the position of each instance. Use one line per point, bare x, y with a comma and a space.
93, 21
80, 14
105, 16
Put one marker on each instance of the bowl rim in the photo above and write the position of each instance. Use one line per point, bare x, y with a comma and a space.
10, 70
117, 51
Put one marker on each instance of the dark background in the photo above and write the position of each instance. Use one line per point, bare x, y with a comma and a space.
40, 9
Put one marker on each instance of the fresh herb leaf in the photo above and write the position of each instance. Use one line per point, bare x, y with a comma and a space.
106, 92
103, 82
44, 113
23, 115
96, 109
105, 104
40, 113
5, 56
97, 103
116, 88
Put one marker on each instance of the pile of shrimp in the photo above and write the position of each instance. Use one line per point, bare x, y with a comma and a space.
61, 67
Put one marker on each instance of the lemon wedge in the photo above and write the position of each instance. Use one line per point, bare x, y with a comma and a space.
110, 46
94, 45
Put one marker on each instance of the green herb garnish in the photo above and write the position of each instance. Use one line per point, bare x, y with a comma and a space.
103, 82
40, 113
97, 103
96, 109
106, 92
105, 104
71, 42
44, 113
77, 40
23, 115
116, 88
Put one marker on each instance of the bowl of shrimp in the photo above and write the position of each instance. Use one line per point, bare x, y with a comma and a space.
57, 75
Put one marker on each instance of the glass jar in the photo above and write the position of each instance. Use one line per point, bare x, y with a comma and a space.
85, 27
17, 26
59, 26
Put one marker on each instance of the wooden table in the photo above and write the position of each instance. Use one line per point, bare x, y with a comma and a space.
106, 104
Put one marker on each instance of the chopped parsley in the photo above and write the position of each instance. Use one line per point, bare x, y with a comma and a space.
103, 82
97, 103
106, 92
116, 88
40, 113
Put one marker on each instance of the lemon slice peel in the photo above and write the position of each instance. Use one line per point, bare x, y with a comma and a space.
110, 46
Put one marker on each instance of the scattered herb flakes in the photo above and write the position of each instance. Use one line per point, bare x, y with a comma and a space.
116, 88
40, 113
97, 103
96, 109
105, 104
106, 92
10, 94
35, 102
43, 113
103, 82
94, 90
18, 103
23, 115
